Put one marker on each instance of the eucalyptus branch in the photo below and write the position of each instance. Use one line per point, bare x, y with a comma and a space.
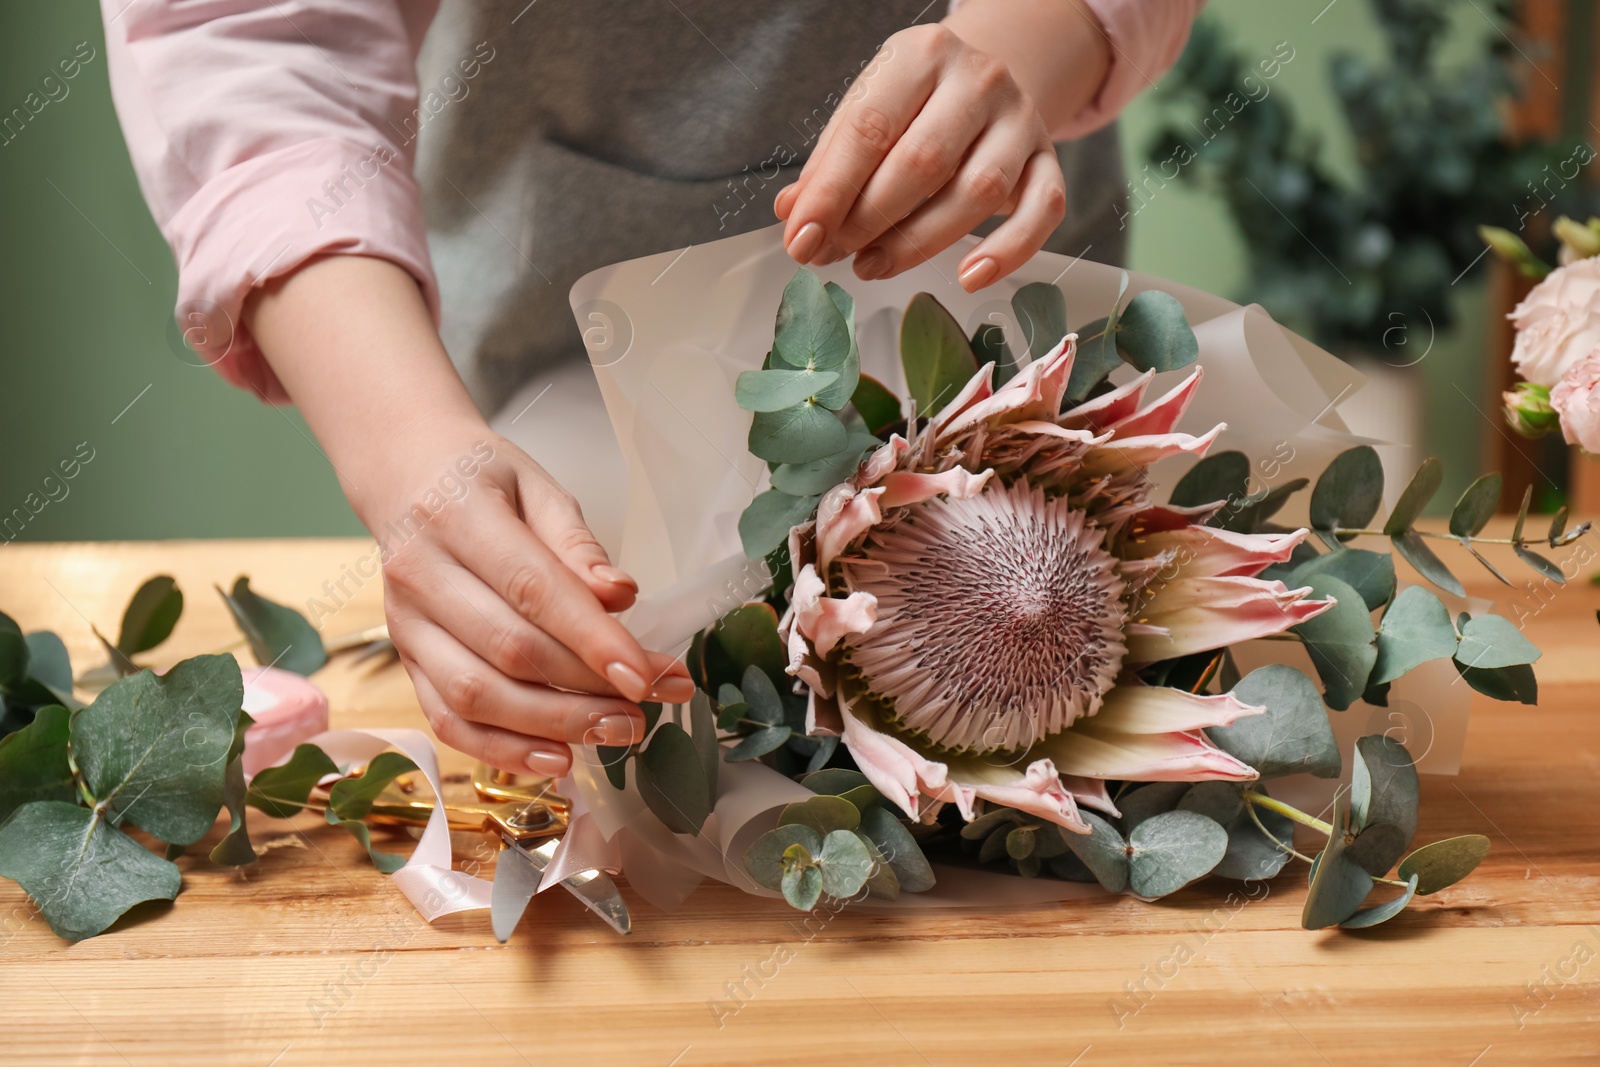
1290, 849
1288, 812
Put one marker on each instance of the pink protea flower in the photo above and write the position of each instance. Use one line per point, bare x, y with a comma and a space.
967, 607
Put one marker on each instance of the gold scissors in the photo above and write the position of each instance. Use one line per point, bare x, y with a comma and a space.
529, 818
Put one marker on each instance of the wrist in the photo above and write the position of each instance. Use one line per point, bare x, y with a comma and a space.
1057, 51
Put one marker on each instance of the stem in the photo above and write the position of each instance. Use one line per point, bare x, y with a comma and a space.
1264, 801
1290, 849
1434, 534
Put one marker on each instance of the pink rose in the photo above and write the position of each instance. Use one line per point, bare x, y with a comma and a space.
1576, 399
1558, 324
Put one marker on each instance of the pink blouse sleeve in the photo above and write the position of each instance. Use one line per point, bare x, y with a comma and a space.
1146, 36
264, 134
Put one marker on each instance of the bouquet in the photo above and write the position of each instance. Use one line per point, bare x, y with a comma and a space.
976, 635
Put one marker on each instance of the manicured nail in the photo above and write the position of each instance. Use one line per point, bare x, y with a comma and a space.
872, 263
806, 242
784, 202
673, 690
979, 274
550, 764
607, 573
615, 730
627, 681
831, 253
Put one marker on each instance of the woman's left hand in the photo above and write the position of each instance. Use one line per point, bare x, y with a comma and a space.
933, 138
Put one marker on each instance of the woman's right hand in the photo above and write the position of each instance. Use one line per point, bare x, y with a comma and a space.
498, 597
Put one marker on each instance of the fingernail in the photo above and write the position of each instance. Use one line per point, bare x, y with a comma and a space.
617, 730
550, 764
979, 274
806, 242
674, 690
872, 263
628, 681
607, 573
831, 253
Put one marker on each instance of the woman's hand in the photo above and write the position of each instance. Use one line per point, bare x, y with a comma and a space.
939, 134
498, 597
499, 606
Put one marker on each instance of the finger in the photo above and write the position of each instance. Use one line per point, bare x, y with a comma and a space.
783, 203
557, 520
477, 693
541, 589
499, 748
918, 166
1041, 205
864, 128
982, 185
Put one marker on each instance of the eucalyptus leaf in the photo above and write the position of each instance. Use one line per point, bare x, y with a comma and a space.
802, 887
1415, 551
33, 761
1377, 847
1516, 683
1379, 913
1442, 864
13, 654
810, 331
1476, 506
1169, 851
834, 781
154, 750
764, 858
1414, 630
1340, 641
824, 814
1041, 310
387, 862
1369, 573
766, 706
748, 637
1141, 802
774, 390
1544, 566
989, 346
234, 850
703, 729
1095, 358
1153, 333
935, 354
51, 667
1292, 736
671, 780
1349, 492
81, 872
845, 863
1019, 842
150, 616
281, 791
614, 761
1338, 884
278, 636
881, 879
877, 406
820, 475
1415, 497
1489, 641
1224, 476
899, 849
352, 798
1103, 851
1384, 786
1259, 507
840, 393
1253, 855
798, 434
765, 740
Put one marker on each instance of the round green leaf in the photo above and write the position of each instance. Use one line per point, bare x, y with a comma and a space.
1415, 629
1103, 852
1141, 802
766, 706
1384, 786
763, 741
1338, 884
898, 848
798, 434
13, 654
818, 476
802, 887
1253, 855
671, 780
823, 814
1096, 357
1516, 683
833, 781
1442, 864
1218, 477
1153, 333
150, 615
1369, 573
1377, 847
1349, 492
277, 635
878, 407
1168, 851
1042, 313
845, 862
1340, 641
1490, 641
774, 390
1292, 736
764, 858
810, 331
33, 762
935, 353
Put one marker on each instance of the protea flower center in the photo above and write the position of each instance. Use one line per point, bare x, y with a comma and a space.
1000, 618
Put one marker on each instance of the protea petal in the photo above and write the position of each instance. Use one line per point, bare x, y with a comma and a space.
882, 461
1109, 408
1161, 415
894, 768
908, 487
977, 390
1206, 551
1092, 751
842, 516
1206, 613
1123, 453
1035, 393
1154, 709
1035, 788
823, 620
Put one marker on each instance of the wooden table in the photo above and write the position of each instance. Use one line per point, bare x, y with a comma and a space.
310, 957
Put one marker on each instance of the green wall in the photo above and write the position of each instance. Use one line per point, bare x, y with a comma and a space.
86, 288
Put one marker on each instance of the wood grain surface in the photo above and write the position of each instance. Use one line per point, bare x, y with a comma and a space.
310, 957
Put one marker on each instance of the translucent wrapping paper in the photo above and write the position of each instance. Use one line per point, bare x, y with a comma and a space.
668, 335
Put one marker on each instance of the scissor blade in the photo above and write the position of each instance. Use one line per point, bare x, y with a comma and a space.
594, 889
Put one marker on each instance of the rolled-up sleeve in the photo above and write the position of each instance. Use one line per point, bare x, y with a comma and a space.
264, 134
1146, 38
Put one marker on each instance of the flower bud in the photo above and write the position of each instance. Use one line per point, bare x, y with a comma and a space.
1583, 240
1514, 250
1528, 410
